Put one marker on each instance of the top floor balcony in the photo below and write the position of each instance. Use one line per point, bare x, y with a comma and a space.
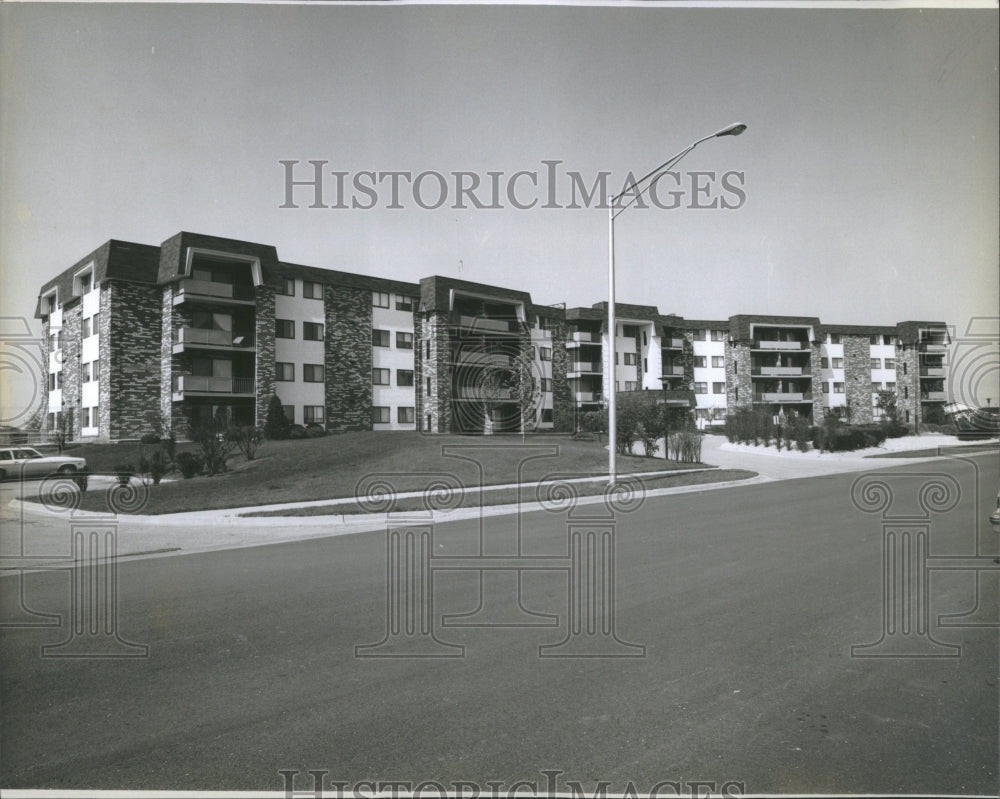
672, 343
485, 325
210, 291
783, 345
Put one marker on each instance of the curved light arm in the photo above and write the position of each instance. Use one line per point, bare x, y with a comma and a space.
731, 130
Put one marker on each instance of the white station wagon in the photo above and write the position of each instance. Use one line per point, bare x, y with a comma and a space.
18, 462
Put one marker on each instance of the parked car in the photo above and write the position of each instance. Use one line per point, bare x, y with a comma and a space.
19, 462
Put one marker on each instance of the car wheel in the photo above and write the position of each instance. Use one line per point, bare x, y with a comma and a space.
67, 469
3, 474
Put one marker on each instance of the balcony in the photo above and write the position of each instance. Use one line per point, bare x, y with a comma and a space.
932, 396
203, 338
484, 324
672, 343
588, 396
781, 371
672, 371
207, 290
577, 368
197, 385
782, 396
583, 337
932, 371
781, 345
483, 359
481, 393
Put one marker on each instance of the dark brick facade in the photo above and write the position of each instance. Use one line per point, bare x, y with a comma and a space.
348, 358
133, 369
563, 405
264, 361
437, 368
71, 351
739, 387
858, 378
907, 386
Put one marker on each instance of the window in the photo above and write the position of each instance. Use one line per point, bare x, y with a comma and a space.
698, 335
876, 363
906, 392
380, 299
718, 335
313, 414
718, 388
701, 388
824, 363
289, 413
52, 381
404, 341
59, 379
312, 331
629, 358
630, 385
312, 291
85, 373
545, 353
404, 304
404, 415
835, 338
380, 414
427, 349
380, 338
838, 363
546, 384
284, 328
719, 361
700, 361
313, 373
84, 417
644, 340
838, 388
904, 367
736, 367
890, 363
284, 372
85, 328
404, 377
826, 388
380, 377
645, 364
95, 370
630, 331
427, 423
876, 387
890, 386
288, 290
874, 338
428, 387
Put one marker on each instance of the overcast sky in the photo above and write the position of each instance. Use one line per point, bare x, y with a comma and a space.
868, 188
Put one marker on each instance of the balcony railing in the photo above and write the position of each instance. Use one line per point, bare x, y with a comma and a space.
211, 290
672, 371
483, 394
588, 396
483, 359
584, 366
203, 337
672, 343
779, 371
932, 396
782, 396
780, 345
932, 371
199, 384
585, 337
483, 324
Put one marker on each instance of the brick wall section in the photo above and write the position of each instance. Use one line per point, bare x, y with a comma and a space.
907, 386
820, 400
104, 397
134, 368
738, 376
72, 319
858, 378
170, 423
264, 360
563, 403
687, 360
418, 370
348, 357
438, 368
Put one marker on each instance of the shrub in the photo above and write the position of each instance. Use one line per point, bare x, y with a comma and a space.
247, 438
215, 447
684, 446
154, 466
170, 449
895, 430
189, 463
276, 425
314, 430
150, 438
124, 472
296, 431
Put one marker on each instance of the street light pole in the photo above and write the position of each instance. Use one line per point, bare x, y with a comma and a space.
731, 130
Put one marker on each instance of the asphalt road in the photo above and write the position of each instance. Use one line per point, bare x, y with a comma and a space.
748, 601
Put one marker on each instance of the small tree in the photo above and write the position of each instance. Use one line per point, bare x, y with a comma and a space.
215, 447
247, 438
276, 426
64, 428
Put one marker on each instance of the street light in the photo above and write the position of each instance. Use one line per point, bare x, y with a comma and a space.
731, 130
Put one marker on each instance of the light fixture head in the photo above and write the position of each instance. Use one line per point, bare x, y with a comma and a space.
732, 130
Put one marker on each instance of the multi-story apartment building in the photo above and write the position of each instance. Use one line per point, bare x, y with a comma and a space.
171, 336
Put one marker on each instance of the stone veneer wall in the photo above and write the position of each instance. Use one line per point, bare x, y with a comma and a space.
858, 378
820, 400
264, 359
134, 365
738, 376
563, 402
687, 360
72, 345
438, 368
907, 384
347, 357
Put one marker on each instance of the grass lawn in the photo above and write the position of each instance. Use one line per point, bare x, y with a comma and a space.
331, 467
509, 496
929, 453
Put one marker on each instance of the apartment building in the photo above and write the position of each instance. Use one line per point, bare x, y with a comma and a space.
201, 327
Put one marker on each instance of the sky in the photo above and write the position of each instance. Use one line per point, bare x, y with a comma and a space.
867, 178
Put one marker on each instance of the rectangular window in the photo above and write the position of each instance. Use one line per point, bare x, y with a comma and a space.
59, 379
427, 349
546, 384
904, 367
545, 353
404, 377
85, 373
284, 328
876, 363
906, 392
547, 415
700, 361
380, 299
718, 388
629, 358
701, 388
824, 363
630, 331
404, 341
719, 361
890, 386
313, 414
404, 415
284, 372
84, 417
427, 391
95, 370
835, 338
85, 328
645, 364
380, 414
289, 413
838, 388
876, 387
427, 423
826, 388
838, 363
380, 338
718, 335
52, 381
312, 291
404, 304
644, 340
288, 290
698, 335
380, 377
313, 373
630, 385
312, 331
890, 363
874, 338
